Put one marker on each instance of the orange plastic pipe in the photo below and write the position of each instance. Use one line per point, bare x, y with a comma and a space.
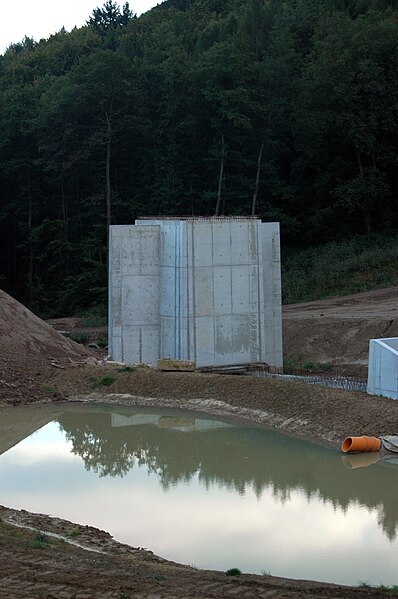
352, 444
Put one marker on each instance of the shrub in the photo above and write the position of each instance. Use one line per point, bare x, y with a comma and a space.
106, 381
233, 572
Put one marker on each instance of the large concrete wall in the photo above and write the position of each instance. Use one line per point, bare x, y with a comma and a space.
134, 293
219, 298
383, 367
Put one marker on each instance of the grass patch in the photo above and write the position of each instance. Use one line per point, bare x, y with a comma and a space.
325, 366
334, 269
79, 337
103, 381
126, 369
308, 366
233, 572
40, 540
301, 366
380, 587
94, 317
102, 341
73, 533
48, 388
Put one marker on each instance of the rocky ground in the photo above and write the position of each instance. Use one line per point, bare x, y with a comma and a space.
37, 364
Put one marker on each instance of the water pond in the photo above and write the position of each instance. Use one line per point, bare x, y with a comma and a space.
211, 493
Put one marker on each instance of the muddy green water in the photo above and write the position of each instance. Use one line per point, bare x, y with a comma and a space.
213, 494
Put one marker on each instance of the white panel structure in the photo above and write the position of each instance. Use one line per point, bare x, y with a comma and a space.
383, 367
218, 294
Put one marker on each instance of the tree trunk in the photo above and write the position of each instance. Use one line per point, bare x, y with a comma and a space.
66, 231
254, 201
30, 244
220, 178
366, 208
108, 176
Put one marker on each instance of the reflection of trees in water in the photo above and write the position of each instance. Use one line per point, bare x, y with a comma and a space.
234, 458
102, 448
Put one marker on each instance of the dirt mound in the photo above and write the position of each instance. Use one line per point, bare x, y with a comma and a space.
338, 330
27, 345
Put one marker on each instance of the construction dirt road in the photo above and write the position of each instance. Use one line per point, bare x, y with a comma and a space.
37, 364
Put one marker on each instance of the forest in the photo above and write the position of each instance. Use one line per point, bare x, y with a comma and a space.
283, 108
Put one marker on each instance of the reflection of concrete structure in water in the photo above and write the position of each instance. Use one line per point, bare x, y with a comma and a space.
383, 367
201, 289
174, 423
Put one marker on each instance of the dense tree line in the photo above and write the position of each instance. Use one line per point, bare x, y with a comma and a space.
134, 116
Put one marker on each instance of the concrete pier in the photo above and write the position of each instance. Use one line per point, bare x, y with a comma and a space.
201, 289
383, 367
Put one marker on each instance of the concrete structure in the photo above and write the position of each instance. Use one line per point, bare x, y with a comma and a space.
200, 289
383, 367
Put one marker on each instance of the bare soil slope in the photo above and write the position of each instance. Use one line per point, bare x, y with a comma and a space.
27, 346
338, 330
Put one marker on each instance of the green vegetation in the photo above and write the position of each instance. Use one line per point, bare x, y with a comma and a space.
334, 269
130, 117
381, 587
49, 388
79, 337
73, 533
94, 317
40, 540
299, 364
104, 381
126, 369
102, 341
41, 537
85, 338
233, 572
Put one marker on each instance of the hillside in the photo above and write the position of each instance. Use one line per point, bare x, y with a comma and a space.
337, 330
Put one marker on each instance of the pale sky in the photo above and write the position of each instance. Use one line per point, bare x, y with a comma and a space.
41, 18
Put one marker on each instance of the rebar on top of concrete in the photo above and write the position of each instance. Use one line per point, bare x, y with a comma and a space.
198, 218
